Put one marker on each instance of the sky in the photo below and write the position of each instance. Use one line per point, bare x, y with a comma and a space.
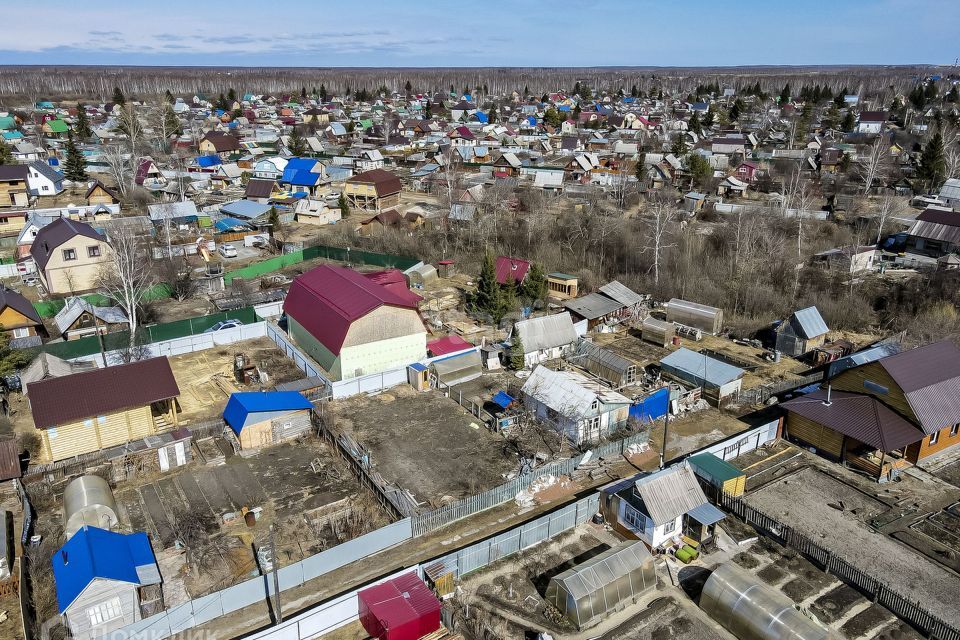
490, 33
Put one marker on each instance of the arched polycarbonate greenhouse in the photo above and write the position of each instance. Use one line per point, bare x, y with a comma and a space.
606, 582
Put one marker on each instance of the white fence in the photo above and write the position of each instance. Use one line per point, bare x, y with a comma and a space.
187, 344
744, 442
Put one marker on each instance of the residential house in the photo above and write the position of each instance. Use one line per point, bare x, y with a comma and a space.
69, 256
871, 122
935, 233
580, 408
801, 333
375, 190
851, 260
729, 145
80, 318
148, 174
596, 309
731, 186
718, 379
216, 143
658, 508
263, 418
355, 324
98, 576
14, 189
950, 192
55, 128
922, 385
18, 317
630, 299
94, 410
511, 270
99, 193
261, 190
303, 175
545, 337
46, 366
561, 286
269, 168
43, 180
746, 171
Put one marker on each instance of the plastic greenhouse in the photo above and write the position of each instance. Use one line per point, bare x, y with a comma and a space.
753, 611
604, 583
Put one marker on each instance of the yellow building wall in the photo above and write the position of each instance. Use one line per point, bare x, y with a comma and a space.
93, 434
853, 380
386, 338
69, 276
257, 435
12, 319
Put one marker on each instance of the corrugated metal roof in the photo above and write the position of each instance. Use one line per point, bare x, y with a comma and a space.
701, 367
706, 514
9, 460
858, 416
862, 357
569, 393
602, 570
930, 378
593, 306
546, 332
934, 224
589, 352
810, 322
670, 493
621, 293
511, 269
244, 404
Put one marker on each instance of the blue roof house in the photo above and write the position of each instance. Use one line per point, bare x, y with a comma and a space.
98, 575
303, 174
263, 418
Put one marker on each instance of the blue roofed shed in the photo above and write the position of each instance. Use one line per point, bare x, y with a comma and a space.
262, 418
719, 379
98, 574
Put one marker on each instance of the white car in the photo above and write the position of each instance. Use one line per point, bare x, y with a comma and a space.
228, 251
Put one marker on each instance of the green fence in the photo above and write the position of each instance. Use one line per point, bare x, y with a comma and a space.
353, 256
154, 333
50, 308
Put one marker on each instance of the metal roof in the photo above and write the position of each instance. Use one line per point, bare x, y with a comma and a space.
670, 493
250, 407
621, 293
77, 306
702, 367
930, 378
599, 571
546, 332
934, 224
593, 353
810, 322
862, 357
858, 416
570, 393
950, 189
9, 460
593, 306
706, 514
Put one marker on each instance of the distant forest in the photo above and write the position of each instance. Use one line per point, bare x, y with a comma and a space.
90, 82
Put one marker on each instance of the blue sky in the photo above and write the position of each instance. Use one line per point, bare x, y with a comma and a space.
486, 33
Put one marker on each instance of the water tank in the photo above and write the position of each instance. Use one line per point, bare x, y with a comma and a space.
88, 500
751, 610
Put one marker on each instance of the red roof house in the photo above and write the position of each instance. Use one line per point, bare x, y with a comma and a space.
511, 269
400, 609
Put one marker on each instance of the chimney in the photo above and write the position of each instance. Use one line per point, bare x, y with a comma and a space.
828, 402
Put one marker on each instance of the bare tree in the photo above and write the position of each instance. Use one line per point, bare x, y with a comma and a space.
119, 167
662, 215
126, 275
873, 163
888, 206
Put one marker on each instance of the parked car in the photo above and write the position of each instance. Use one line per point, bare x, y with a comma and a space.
228, 251
224, 324
333, 196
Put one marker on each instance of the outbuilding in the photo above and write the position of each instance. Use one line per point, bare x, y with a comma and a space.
692, 314
718, 379
803, 331
402, 608
263, 418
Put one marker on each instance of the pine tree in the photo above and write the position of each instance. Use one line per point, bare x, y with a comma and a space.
6, 156
408, 87
535, 285
695, 125
273, 219
506, 301
785, 94
169, 97
640, 170
344, 206
517, 361
487, 295
428, 112
848, 121
679, 146
736, 109
933, 163
231, 96
709, 117
323, 92
118, 97
222, 103
297, 146
75, 167
82, 126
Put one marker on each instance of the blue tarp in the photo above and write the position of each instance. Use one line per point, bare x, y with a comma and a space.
652, 407
502, 399
208, 161
225, 224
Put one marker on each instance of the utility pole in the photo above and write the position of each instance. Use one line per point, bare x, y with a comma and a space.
276, 576
96, 324
666, 425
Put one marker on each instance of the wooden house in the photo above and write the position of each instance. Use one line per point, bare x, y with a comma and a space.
93, 410
18, 317
68, 255
802, 332
260, 418
375, 190
14, 189
99, 193
561, 286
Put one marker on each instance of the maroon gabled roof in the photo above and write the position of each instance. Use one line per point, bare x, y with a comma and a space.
260, 188
930, 378
858, 416
383, 181
447, 344
873, 116
95, 393
14, 300
55, 234
222, 142
328, 299
939, 216
511, 269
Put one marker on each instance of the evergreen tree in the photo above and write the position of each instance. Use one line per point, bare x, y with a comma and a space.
736, 110
75, 167
273, 219
82, 126
486, 297
679, 146
118, 97
222, 104
695, 125
506, 301
849, 121
231, 96
323, 92
699, 169
933, 163
640, 170
428, 112
953, 95
303, 94
169, 97
552, 117
517, 361
344, 206
297, 145
171, 122
785, 94
535, 286
408, 87
6, 156
633, 91
709, 117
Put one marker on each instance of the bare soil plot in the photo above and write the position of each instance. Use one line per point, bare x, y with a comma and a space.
424, 442
803, 501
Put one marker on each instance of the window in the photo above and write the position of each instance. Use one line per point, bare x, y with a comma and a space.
634, 518
69, 254
45, 188
22, 332
94, 251
934, 437
954, 430
105, 611
595, 405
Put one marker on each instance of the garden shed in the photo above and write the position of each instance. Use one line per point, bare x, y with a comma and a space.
399, 609
604, 583
718, 473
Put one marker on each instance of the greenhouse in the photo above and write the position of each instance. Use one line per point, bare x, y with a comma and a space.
609, 581
753, 611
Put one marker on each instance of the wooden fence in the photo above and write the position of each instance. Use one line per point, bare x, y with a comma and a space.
911, 611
